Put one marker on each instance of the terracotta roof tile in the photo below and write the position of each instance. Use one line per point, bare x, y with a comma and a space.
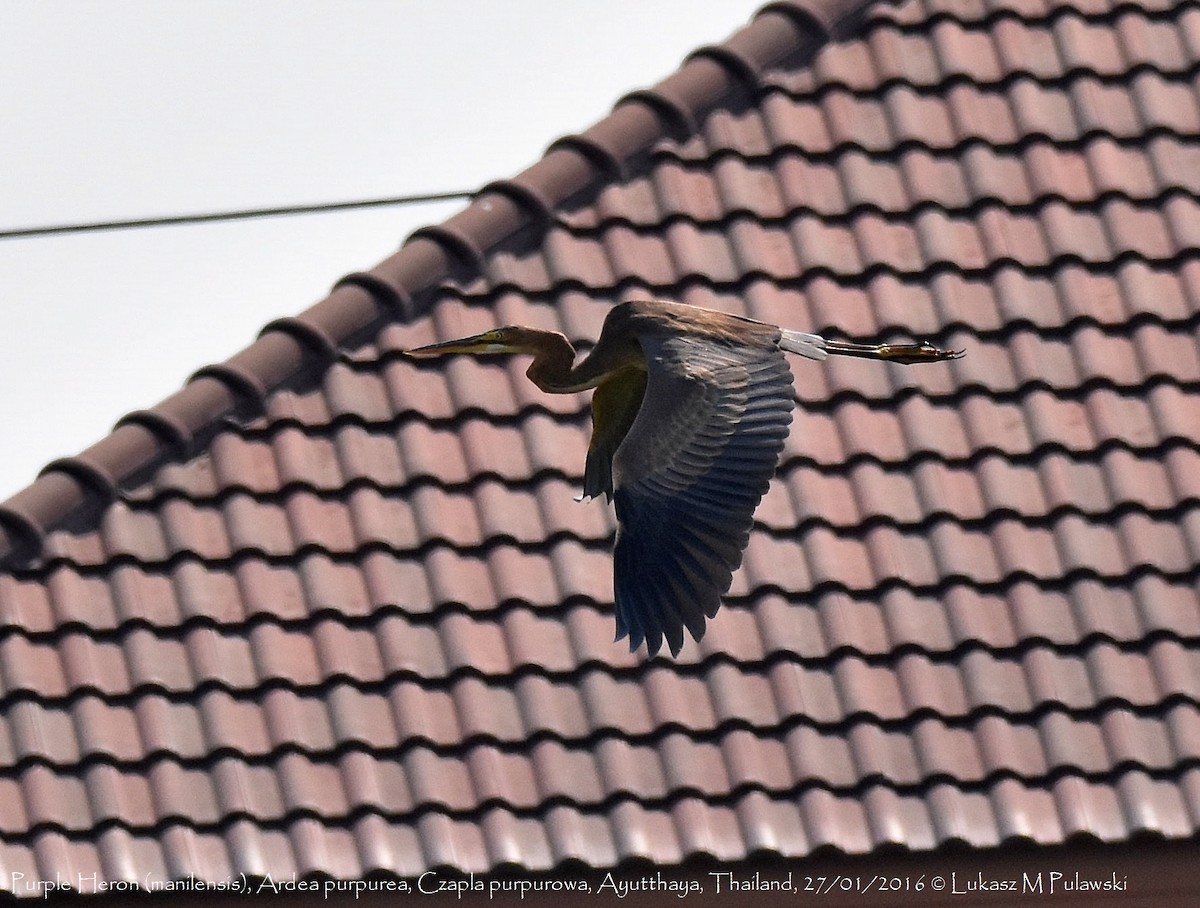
369, 630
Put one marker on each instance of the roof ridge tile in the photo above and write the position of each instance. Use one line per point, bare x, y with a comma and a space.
356, 303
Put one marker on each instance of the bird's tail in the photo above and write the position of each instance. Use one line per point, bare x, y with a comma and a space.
810, 345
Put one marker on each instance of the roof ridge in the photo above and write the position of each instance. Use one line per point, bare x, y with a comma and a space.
79, 487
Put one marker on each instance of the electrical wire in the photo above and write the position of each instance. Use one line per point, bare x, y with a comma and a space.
244, 214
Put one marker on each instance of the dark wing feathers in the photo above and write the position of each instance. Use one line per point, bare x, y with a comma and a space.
688, 476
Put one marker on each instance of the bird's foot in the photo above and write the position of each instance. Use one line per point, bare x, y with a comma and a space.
905, 354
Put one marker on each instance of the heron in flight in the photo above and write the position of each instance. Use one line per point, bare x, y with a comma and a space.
690, 409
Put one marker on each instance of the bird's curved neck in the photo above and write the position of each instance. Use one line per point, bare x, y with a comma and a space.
553, 368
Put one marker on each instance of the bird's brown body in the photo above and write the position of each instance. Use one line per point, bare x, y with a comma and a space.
690, 411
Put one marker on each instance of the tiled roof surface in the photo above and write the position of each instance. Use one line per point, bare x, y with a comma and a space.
372, 630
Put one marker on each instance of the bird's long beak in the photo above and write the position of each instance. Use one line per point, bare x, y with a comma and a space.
488, 342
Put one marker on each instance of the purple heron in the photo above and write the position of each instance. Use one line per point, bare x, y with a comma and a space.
690, 411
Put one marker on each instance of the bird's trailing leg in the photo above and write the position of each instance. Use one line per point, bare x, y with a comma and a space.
906, 354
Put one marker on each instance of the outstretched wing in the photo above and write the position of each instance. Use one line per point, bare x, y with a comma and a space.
688, 477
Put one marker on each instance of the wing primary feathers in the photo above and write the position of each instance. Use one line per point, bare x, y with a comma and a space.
692, 468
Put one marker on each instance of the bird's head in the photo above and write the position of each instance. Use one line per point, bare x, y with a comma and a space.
512, 339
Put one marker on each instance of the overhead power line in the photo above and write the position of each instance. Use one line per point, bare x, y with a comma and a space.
244, 214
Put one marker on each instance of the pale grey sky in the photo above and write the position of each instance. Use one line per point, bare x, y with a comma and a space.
140, 108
